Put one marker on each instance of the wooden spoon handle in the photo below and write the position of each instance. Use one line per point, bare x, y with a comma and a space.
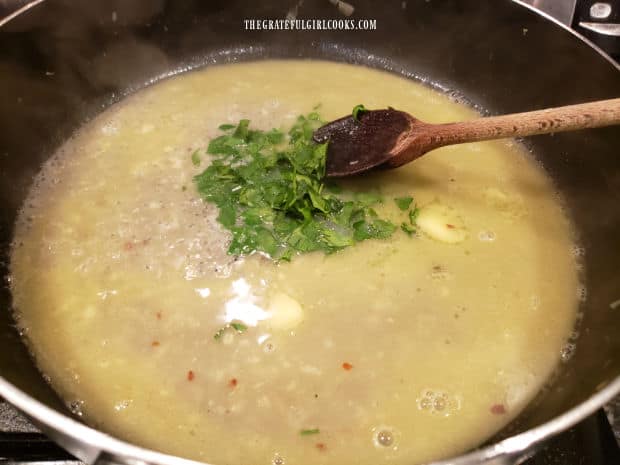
568, 118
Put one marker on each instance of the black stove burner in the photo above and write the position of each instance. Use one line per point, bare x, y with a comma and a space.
599, 21
30, 447
591, 442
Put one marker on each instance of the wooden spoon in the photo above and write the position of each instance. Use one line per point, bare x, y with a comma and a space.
390, 138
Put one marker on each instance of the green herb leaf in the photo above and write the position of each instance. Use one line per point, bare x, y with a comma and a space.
242, 130
220, 332
239, 327
413, 214
368, 198
409, 229
228, 215
270, 190
376, 229
403, 202
226, 127
357, 111
308, 432
196, 158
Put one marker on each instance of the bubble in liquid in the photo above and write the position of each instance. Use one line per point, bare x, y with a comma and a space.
77, 252
486, 236
425, 403
578, 251
278, 460
75, 407
567, 351
385, 437
110, 128
438, 402
582, 293
122, 405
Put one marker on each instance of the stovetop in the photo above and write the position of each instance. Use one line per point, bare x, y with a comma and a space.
597, 20
594, 441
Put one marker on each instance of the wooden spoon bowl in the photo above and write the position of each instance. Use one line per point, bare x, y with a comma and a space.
390, 138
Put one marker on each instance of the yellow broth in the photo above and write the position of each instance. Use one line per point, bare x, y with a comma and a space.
397, 351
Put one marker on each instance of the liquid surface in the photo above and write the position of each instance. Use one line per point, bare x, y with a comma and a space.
397, 351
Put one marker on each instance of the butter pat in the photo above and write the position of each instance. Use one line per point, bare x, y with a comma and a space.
284, 311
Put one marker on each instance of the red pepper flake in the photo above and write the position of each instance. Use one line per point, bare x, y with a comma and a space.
347, 366
450, 226
155, 343
128, 245
190, 375
233, 383
320, 446
498, 409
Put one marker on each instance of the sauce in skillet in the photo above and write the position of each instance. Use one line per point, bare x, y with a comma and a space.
397, 351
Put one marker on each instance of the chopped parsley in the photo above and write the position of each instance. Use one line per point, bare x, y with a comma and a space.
413, 215
239, 327
220, 332
196, 158
403, 202
407, 228
357, 111
411, 227
308, 432
271, 194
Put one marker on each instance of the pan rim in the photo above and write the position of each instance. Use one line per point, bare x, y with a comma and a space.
90, 444
574, 33
62, 428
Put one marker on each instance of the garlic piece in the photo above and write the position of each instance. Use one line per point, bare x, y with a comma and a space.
285, 312
442, 223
